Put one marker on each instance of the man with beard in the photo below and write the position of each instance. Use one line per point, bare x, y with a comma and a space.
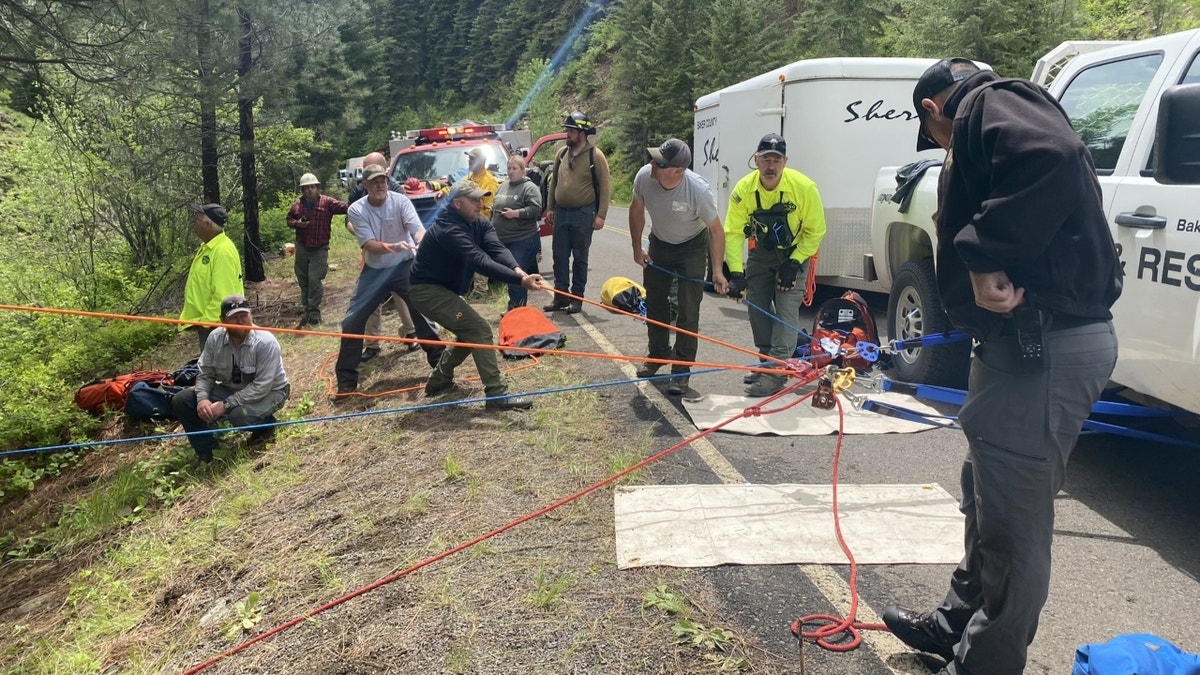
241, 379
388, 230
780, 210
577, 204
311, 216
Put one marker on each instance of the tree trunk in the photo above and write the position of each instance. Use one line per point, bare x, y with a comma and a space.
252, 244
208, 107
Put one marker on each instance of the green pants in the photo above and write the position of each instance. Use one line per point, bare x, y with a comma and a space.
312, 264
454, 314
774, 334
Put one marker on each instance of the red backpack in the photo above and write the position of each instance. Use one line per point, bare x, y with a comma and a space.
842, 322
110, 394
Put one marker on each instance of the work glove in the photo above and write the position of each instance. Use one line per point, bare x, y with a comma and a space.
787, 274
737, 285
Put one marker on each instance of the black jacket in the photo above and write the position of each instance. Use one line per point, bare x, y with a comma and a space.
1019, 193
453, 250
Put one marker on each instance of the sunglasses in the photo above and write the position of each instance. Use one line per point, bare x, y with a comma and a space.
663, 165
228, 307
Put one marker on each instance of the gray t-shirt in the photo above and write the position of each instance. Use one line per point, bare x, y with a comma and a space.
393, 221
680, 214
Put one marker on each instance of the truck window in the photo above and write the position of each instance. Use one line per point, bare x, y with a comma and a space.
1102, 100
1192, 76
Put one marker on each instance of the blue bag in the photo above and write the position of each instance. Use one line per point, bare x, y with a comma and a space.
1135, 654
145, 402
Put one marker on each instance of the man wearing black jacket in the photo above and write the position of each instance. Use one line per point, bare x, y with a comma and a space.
1027, 265
459, 244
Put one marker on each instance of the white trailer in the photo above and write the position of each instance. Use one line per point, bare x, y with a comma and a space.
842, 119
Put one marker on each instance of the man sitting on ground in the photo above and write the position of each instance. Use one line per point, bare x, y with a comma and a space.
241, 379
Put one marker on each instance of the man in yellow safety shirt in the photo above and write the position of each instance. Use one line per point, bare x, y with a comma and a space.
780, 210
216, 271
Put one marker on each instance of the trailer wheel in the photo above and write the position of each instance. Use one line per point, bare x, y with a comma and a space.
915, 309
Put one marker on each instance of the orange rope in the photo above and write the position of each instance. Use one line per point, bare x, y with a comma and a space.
810, 283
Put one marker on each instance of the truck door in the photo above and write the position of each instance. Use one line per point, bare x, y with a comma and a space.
745, 117
1114, 105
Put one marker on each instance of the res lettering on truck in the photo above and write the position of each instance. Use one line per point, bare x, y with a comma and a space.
1171, 268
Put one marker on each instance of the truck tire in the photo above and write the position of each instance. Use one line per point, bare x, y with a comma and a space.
915, 309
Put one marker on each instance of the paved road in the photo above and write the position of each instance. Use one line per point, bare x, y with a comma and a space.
1127, 554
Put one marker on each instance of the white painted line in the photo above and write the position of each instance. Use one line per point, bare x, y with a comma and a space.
707, 451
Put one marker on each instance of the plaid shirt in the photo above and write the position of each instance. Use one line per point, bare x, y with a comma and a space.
315, 232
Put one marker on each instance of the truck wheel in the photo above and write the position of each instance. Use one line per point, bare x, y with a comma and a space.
915, 309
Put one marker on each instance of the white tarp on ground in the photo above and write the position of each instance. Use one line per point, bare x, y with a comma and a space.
803, 419
707, 525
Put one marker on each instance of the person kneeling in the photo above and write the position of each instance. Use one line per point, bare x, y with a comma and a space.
241, 379
456, 246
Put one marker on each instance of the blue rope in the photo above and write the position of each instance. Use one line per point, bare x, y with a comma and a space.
800, 332
346, 416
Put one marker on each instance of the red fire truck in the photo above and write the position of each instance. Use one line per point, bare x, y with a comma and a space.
426, 161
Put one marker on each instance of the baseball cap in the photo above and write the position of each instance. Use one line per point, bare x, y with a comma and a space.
234, 304
672, 153
374, 171
936, 78
214, 212
477, 152
468, 188
772, 143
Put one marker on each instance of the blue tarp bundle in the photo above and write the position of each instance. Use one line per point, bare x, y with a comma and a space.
1135, 654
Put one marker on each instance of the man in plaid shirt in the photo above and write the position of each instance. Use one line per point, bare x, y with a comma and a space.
310, 216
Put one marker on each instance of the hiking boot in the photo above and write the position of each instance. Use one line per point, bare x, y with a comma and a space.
679, 387
557, 304
510, 403
412, 346
575, 307
263, 435
648, 370
919, 631
439, 387
751, 378
313, 319
205, 456
765, 386
368, 354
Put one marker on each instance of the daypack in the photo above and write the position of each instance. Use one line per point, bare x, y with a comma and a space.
845, 320
148, 402
624, 294
187, 374
110, 394
528, 327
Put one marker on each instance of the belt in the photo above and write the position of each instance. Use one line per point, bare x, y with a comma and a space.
1051, 322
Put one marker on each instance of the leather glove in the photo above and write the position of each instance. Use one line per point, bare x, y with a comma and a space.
737, 285
787, 274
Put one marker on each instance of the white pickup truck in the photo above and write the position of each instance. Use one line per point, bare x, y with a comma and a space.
1137, 107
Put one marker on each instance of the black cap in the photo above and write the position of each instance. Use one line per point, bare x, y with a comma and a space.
214, 212
772, 143
936, 78
234, 304
672, 153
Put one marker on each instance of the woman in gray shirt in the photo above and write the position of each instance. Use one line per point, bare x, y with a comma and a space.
514, 215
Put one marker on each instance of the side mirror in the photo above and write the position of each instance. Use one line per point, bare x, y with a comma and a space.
524, 153
1177, 136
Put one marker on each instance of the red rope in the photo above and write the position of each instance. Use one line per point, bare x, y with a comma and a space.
831, 626
801, 381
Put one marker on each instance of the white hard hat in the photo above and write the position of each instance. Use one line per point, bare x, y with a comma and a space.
309, 179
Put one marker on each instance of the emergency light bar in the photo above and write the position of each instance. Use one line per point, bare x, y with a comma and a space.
454, 133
